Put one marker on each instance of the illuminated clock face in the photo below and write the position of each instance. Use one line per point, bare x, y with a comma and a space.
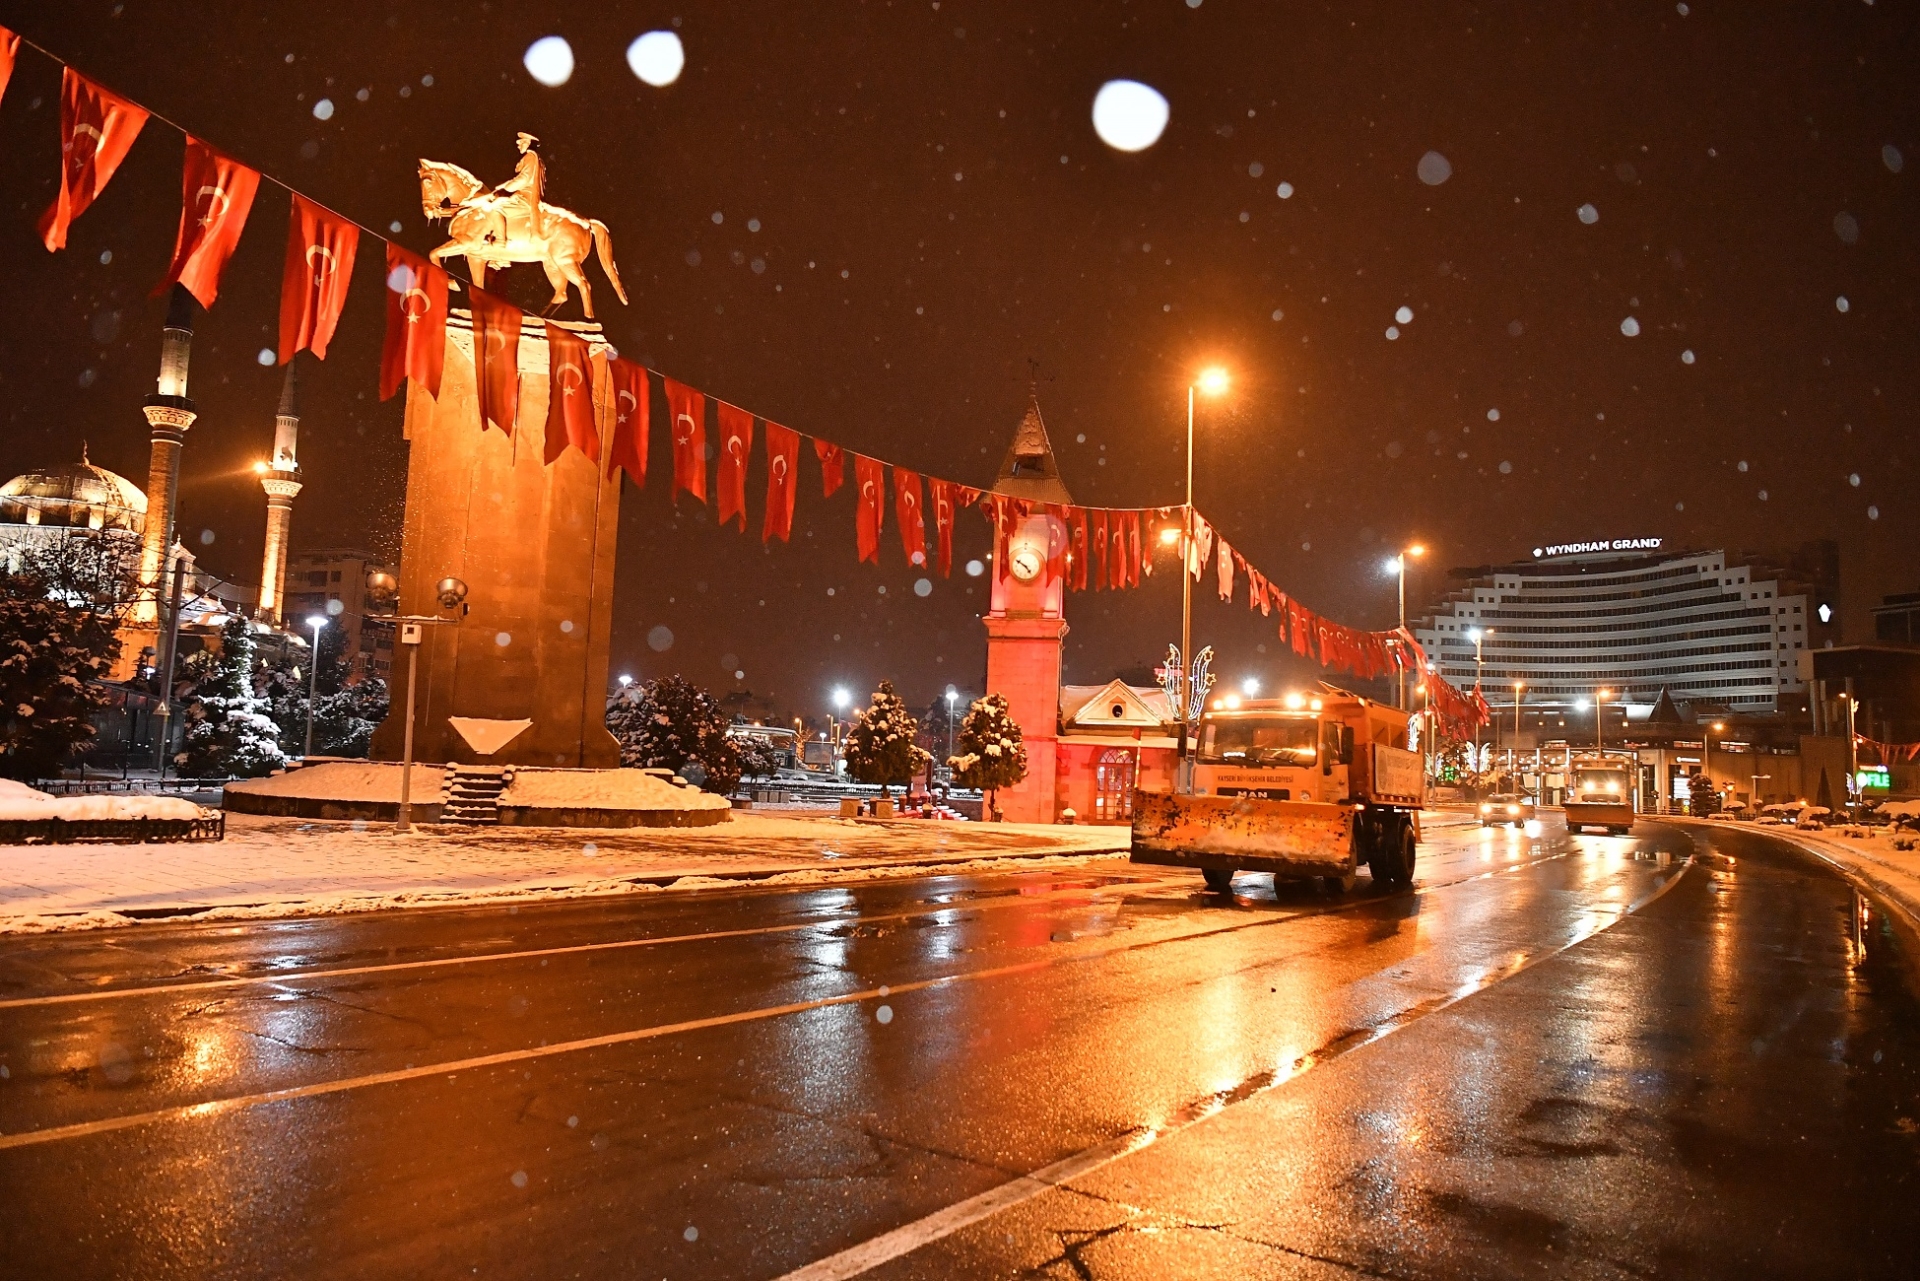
1026, 562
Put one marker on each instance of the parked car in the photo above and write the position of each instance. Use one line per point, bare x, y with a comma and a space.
1512, 808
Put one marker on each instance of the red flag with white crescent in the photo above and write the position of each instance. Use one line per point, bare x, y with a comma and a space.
569, 396
313, 284
1098, 547
496, 359
416, 342
730, 479
944, 492
783, 465
870, 484
9, 50
1079, 550
627, 383
97, 128
215, 195
907, 503
833, 466
687, 419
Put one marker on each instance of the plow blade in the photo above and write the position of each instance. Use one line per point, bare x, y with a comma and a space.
1296, 838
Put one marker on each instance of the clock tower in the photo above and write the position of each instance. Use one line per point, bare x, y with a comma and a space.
1026, 618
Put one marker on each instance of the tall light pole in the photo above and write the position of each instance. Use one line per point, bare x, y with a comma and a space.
1212, 381
450, 592
1476, 636
952, 694
1399, 566
1853, 749
1706, 749
1513, 753
1599, 714
318, 622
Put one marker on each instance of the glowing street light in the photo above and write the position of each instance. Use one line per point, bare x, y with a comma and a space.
952, 694
318, 622
841, 698
1398, 565
1250, 686
625, 680
1213, 381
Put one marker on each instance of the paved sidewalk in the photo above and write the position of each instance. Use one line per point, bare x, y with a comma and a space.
291, 867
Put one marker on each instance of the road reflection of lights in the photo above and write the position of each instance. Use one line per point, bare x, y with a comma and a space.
1534, 829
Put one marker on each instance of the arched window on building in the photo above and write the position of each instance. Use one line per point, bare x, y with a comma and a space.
1113, 780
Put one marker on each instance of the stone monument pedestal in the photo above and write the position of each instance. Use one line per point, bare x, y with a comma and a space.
535, 545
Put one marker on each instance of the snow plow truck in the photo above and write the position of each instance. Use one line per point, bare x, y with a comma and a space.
1299, 787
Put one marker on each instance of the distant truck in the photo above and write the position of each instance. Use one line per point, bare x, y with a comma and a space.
1297, 787
1600, 793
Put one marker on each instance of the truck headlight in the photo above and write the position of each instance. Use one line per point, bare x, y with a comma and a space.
1513, 809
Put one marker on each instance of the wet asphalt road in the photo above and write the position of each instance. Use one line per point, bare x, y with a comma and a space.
1679, 1054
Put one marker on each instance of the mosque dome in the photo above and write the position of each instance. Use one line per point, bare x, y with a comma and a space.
74, 495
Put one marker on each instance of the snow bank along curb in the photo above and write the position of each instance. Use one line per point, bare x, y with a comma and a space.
343, 904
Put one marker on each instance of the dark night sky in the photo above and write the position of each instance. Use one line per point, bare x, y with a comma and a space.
923, 239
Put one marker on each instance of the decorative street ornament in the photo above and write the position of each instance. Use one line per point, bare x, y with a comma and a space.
492, 227
1200, 683
1172, 674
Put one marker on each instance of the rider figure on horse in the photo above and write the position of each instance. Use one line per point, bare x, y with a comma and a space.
527, 185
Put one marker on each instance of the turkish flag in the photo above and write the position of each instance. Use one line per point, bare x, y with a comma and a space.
730, 480
870, 480
907, 502
1097, 546
946, 496
783, 468
96, 129
496, 359
215, 195
9, 50
416, 343
1079, 552
628, 384
569, 396
687, 418
833, 466
313, 284
1134, 554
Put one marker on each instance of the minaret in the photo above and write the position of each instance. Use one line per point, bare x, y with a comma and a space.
281, 480
169, 413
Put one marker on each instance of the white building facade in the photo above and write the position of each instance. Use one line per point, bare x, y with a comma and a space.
1706, 626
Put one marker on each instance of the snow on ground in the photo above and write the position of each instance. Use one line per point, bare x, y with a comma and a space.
608, 789
271, 867
20, 803
347, 781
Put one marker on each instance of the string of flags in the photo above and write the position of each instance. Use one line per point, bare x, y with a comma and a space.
1089, 548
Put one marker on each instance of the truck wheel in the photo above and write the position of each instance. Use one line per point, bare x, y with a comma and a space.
1392, 864
1218, 879
1337, 884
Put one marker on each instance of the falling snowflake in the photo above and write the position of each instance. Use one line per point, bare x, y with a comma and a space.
1588, 214
1434, 169
1630, 327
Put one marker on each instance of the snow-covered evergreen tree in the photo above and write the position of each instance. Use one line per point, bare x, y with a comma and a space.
990, 754
344, 716
880, 747
52, 653
670, 722
228, 731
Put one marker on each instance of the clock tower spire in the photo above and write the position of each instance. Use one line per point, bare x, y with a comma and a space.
1026, 618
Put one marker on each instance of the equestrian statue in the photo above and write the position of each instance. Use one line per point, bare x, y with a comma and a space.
492, 227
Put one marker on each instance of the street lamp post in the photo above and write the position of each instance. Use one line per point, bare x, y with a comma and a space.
1706, 749
1514, 751
1599, 712
1476, 635
1400, 567
952, 694
318, 622
1213, 381
451, 593
1853, 751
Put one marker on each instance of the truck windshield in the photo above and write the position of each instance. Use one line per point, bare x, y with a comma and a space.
1258, 740
1600, 783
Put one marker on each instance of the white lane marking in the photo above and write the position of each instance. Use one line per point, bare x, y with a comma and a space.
219, 1107
857, 1260
283, 978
